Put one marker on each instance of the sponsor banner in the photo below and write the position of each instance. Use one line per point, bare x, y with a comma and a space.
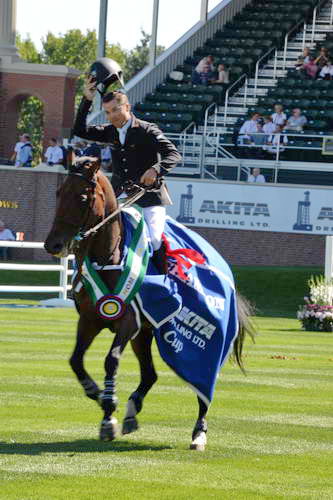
307, 210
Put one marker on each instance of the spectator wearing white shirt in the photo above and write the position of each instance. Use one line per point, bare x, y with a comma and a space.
256, 176
296, 121
17, 148
277, 141
204, 71
54, 154
249, 127
326, 72
279, 117
24, 156
5, 235
269, 127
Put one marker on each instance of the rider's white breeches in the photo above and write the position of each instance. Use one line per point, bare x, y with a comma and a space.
155, 219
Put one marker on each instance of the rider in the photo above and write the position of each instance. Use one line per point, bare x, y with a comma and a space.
140, 150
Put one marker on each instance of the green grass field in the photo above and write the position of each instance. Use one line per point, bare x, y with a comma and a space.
270, 433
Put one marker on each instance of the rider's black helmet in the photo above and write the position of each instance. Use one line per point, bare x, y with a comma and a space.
106, 71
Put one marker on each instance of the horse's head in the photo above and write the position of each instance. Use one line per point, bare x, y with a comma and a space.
80, 205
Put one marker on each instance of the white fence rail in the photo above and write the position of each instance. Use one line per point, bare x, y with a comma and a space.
63, 269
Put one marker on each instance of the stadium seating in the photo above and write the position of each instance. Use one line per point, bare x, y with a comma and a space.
258, 27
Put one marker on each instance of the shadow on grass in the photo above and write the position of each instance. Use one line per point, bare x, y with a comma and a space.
78, 446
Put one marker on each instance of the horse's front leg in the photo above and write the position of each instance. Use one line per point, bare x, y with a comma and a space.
86, 332
141, 346
109, 400
199, 438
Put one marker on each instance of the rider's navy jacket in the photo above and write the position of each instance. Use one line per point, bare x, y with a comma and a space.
145, 145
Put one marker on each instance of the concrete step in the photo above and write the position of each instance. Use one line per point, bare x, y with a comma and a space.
250, 91
270, 72
263, 82
251, 101
232, 110
230, 120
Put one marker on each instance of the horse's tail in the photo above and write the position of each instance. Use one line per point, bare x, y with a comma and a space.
245, 327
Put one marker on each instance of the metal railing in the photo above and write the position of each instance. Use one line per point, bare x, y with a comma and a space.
265, 56
226, 101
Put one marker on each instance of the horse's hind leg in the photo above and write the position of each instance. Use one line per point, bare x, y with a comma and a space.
199, 438
86, 332
141, 346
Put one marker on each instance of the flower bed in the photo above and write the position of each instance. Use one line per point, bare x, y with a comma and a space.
317, 312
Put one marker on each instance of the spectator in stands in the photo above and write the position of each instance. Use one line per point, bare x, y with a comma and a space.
204, 71
5, 235
269, 127
106, 157
326, 72
279, 117
258, 140
15, 155
322, 58
54, 154
304, 58
25, 152
278, 138
249, 127
222, 75
310, 69
256, 176
296, 121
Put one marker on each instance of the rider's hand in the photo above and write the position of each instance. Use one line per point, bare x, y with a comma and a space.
89, 89
149, 177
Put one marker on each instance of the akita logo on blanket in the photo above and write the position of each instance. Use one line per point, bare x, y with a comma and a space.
196, 322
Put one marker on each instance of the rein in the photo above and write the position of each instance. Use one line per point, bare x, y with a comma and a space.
129, 201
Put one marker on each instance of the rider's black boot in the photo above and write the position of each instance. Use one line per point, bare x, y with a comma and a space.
159, 259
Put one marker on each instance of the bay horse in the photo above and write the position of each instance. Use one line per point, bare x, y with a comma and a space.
84, 200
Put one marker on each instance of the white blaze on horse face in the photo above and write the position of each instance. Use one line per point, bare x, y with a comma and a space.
116, 353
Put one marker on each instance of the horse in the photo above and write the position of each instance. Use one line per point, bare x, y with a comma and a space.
86, 204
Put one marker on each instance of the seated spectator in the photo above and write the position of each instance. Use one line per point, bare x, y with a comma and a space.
326, 72
278, 138
5, 235
296, 121
92, 149
25, 152
249, 127
54, 154
259, 140
256, 176
222, 75
15, 156
269, 127
279, 117
204, 71
322, 58
64, 153
310, 69
303, 58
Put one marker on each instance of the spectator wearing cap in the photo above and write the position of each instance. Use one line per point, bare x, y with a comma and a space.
296, 121
54, 154
5, 235
322, 58
25, 152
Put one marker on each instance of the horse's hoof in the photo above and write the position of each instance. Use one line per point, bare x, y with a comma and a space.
130, 424
109, 429
199, 442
